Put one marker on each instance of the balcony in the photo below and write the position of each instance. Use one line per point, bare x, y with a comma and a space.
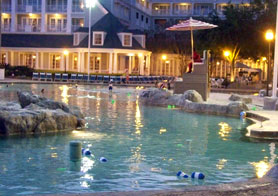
28, 8
6, 28
182, 12
6, 8
161, 12
202, 12
56, 29
75, 27
77, 9
56, 8
28, 28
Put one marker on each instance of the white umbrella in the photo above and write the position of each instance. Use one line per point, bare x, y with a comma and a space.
190, 25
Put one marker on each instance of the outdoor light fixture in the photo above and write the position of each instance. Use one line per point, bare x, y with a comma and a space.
227, 53
30, 14
269, 36
130, 54
98, 58
217, 63
264, 59
164, 57
34, 56
66, 52
140, 54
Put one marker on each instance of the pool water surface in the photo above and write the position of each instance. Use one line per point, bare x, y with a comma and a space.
145, 147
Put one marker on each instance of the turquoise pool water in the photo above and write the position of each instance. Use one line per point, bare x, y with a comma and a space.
145, 147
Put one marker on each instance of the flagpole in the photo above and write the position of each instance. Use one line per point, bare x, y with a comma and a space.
275, 69
192, 48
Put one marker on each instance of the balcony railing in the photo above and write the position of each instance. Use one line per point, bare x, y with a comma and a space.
203, 12
161, 12
6, 8
56, 8
28, 28
28, 8
182, 12
56, 29
6, 28
77, 9
75, 27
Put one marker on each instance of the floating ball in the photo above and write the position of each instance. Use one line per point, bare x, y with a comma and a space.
128, 94
113, 101
173, 106
169, 106
86, 152
182, 174
253, 108
197, 175
179, 145
102, 159
242, 114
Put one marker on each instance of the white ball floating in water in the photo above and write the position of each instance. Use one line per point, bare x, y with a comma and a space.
197, 175
102, 159
182, 174
86, 152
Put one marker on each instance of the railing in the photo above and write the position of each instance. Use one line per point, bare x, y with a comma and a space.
161, 12
182, 12
6, 28
6, 8
28, 8
203, 12
56, 8
28, 28
75, 27
77, 9
55, 29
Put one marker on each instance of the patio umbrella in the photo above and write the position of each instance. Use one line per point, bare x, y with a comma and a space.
190, 25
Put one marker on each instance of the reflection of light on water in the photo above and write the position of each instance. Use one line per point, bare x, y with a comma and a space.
136, 158
54, 155
272, 154
224, 130
64, 94
88, 135
84, 184
86, 164
261, 168
162, 130
221, 164
138, 123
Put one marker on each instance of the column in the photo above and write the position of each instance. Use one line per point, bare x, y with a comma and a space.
37, 61
110, 65
41, 66
13, 16
148, 64
129, 64
192, 9
171, 9
82, 61
43, 16
221, 71
67, 68
115, 63
69, 10
141, 65
7, 58
62, 67
12, 58
79, 62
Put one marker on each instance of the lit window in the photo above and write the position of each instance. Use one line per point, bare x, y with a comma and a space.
98, 39
127, 40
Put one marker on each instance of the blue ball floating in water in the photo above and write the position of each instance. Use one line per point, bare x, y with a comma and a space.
182, 174
197, 175
102, 159
242, 114
86, 152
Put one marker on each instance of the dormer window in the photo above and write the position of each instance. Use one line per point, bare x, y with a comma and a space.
98, 38
127, 40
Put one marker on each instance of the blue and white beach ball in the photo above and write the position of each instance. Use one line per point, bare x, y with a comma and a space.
102, 159
182, 174
242, 114
197, 175
86, 152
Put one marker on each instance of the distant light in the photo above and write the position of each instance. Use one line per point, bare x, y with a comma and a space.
66, 52
82, 25
217, 63
98, 58
90, 3
264, 59
156, 8
167, 61
130, 54
75, 58
57, 15
30, 14
164, 57
34, 56
227, 53
269, 36
140, 54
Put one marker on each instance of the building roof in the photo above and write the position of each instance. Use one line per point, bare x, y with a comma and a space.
37, 41
111, 26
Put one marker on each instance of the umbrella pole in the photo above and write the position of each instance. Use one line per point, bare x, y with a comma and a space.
192, 48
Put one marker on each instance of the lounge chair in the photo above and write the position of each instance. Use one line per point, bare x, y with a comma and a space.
42, 76
118, 79
57, 77
79, 77
48, 76
151, 79
85, 78
93, 78
72, 77
65, 77
113, 78
99, 78
136, 79
105, 79
35, 76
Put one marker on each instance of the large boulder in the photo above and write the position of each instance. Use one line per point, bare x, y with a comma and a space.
35, 114
193, 96
235, 108
155, 96
235, 97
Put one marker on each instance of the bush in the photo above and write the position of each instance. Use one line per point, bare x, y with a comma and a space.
17, 70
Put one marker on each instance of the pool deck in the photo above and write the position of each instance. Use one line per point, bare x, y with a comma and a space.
254, 187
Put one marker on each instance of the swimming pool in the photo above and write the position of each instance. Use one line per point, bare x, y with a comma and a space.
145, 147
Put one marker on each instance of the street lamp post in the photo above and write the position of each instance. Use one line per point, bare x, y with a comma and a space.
89, 4
269, 37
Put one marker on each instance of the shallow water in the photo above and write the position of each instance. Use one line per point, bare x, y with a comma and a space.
145, 147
